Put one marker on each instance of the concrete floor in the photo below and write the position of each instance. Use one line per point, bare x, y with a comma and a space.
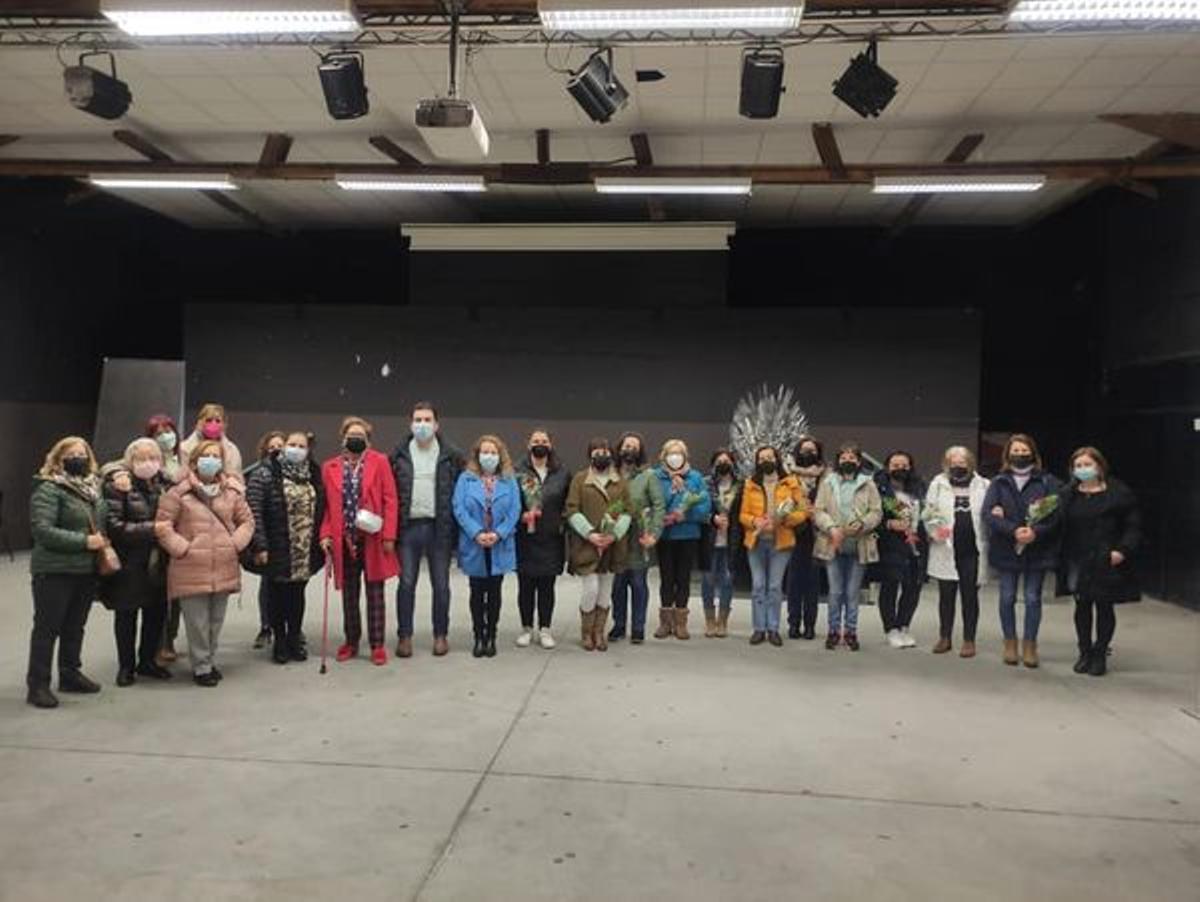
699, 770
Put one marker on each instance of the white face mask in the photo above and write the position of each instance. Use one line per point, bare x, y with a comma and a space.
675, 460
146, 469
211, 489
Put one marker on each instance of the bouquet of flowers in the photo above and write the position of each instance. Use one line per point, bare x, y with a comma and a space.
686, 501
531, 491
608, 522
896, 509
646, 514
787, 507
1038, 511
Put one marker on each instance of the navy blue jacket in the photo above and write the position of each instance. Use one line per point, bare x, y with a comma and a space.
1042, 554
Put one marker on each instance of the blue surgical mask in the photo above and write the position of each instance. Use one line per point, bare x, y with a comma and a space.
422, 432
1084, 474
295, 455
488, 462
166, 440
208, 467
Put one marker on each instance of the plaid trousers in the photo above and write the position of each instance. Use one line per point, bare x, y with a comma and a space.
351, 615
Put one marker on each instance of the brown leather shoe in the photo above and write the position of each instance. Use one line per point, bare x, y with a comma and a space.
1030, 654
404, 647
681, 630
1010, 652
968, 650
440, 646
943, 645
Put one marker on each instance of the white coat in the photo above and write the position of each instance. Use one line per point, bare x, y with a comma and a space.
939, 511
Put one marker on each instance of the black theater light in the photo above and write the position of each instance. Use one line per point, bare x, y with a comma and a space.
762, 82
343, 81
97, 92
864, 86
595, 87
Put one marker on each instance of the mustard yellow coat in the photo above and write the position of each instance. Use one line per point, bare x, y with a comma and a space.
754, 506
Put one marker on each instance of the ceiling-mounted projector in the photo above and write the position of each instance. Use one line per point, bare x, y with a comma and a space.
452, 129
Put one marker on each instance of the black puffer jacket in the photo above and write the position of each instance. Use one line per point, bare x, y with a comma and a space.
1088, 544
449, 464
544, 553
264, 494
894, 551
129, 522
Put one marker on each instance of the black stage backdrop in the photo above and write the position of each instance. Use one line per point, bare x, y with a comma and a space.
890, 379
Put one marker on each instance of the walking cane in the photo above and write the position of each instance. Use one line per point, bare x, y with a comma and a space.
325, 616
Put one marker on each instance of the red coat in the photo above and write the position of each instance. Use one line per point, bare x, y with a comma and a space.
379, 496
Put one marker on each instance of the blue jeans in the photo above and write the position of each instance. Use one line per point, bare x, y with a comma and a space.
630, 584
845, 583
419, 540
767, 566
717, 582
1033, 603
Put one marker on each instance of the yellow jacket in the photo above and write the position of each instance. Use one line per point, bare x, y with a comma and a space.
787, 490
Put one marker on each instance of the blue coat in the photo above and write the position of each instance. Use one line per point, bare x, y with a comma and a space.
697, 516
470, 512
1002, 547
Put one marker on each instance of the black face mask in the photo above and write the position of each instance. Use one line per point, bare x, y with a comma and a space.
541, 452
847, 467
601, 462
900, 476
630, 457
1020, 461
356, 444
75, 466
724, 469
766, 467
960, 475
806, 459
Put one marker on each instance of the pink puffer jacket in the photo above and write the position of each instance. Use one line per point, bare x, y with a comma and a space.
203, 537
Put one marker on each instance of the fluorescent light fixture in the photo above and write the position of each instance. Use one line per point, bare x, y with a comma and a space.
411, 183
180, 183
605, 236
1106, 11
160, 18
963, 184
609, 16
633, 185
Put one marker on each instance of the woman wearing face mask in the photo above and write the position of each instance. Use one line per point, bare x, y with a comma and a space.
953, 517
161, 428
64, 515
773, 505
1102, 529
358, 532
599, 516
543, 482
203, 523
287, 499
487, 508
902, 547
1021, 546
803, 576
688, 509
630, 590
269, 447
131, 505
847, 510
716, 581
211, 426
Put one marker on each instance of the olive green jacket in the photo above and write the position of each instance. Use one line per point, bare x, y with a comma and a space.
646, 494
61, 519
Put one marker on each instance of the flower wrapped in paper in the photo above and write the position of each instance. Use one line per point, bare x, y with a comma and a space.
1039, 510
531, 491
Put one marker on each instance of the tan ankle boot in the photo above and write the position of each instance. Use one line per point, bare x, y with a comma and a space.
599, 635
722, 623
1030, 654
710, 623
666, 623
681, 618
587, 621
1010, 652
967, 650
943, 645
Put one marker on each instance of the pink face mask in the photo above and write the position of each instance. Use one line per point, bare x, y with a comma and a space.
146, 469
212, 429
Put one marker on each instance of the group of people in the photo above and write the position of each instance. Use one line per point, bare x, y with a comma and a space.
165, 532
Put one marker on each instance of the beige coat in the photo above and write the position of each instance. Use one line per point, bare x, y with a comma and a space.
233, 457
203, 537
868, 512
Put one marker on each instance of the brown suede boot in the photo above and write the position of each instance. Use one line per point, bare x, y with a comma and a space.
943, 645
710, 623
1030, 654
587, 632
722, 623
1010, 652
681, 618
598, 633
968, 650
666, 623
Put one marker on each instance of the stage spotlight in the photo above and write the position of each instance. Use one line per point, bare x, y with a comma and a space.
864, 86
96, 92
595, 87
343, 80
762, 82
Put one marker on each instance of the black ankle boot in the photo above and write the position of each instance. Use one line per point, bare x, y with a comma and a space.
1099, 664
41, 697
480, 646
1084, 664
490, 646
794, 631
279, 650
297, 650
75, 681
809, 633
125, 677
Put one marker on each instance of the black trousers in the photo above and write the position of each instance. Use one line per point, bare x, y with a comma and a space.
485, 604
676, 558
899, 593
125, 628
803, 589
967, 585
61, 603
536, 592
1106, 623
171, 632
285, 609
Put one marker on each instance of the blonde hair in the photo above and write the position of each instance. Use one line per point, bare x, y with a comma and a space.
203, 449
141, 444
52, 465
356, 421
674, 443
505, 468
958, 449
211, 411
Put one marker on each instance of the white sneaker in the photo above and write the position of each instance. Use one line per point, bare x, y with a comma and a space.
524, 639
545, 638
907, 639
894, 639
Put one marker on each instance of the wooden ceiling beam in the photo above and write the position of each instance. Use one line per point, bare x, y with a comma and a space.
960, 154
543, 146
275, 150
1177, 128
142, 145
641, 149
5, 140
390, 148
827, 149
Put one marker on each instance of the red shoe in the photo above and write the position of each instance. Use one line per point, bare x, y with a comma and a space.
346, 652
378, 655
